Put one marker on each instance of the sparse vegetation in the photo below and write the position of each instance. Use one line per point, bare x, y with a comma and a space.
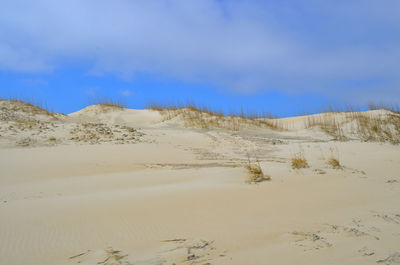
206, 118
380, 125
25, 124
255, 173
299, 161
390, 107
342, 124
108, 103
365, 126
28, 106
381, 129
95, 133
334, 162
25, 142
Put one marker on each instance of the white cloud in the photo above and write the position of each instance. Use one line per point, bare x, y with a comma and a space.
244, 46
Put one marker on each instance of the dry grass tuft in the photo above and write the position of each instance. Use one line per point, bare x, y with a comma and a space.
299, 161
390, 107
334, 162
108, 103
256, 174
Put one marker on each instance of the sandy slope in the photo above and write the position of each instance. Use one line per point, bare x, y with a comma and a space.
178, 196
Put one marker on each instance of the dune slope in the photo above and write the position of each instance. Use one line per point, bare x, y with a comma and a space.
177, 193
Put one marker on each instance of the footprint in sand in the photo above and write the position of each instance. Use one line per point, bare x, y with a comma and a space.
310, 241
321, 238
393, 258
191, 251
108, 256
392, 181
390, 218
175, 251
366, 251
349, 231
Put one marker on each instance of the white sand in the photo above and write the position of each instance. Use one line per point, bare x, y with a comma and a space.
76, 203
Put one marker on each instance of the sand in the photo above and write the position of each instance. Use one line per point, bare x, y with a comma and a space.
178, 195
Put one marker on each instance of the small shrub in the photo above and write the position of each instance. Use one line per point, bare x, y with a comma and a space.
256, 174
334, 162
299, 162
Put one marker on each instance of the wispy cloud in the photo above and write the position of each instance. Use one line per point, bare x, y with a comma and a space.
126, 93
34, 82
244, 46
92, 92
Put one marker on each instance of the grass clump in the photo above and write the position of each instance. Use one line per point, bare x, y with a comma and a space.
108, 103
299, 161
255, 174
334, 162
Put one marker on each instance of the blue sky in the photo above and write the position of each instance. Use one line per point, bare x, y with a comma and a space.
285, 57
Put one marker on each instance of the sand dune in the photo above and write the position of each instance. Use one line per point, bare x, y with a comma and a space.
119, 186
